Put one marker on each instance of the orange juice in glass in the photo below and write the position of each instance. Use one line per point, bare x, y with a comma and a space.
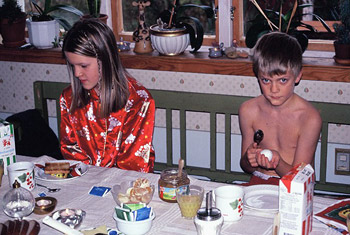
189, 200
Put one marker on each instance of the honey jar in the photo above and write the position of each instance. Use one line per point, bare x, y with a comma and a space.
169, 182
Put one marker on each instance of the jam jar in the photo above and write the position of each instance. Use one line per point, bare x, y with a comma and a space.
169, 182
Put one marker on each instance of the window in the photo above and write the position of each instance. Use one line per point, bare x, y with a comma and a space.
79, 4
231, 22
327, 10
125, 17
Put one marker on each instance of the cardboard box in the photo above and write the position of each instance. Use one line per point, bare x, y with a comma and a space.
7, 144
296, 191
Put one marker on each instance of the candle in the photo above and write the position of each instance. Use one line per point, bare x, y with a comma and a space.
43, 202
67, 213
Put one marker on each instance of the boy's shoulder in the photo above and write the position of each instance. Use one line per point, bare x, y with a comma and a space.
308, 109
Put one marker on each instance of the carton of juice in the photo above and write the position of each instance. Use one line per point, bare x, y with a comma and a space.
7, 144
295, 200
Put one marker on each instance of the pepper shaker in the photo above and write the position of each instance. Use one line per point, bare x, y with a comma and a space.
208, 220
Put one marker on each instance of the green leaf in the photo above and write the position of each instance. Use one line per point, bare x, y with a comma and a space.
234, 204
22, 177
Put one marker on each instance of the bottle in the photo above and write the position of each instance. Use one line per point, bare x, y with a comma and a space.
18, 202
169, 182
208, 220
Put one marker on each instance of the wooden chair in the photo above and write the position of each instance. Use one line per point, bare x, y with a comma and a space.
212, 104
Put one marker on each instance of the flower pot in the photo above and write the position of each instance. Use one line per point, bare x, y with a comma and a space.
103, 17
13, 34
169, 41
42, 34
342, 53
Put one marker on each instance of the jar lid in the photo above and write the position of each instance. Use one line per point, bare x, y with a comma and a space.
209, 215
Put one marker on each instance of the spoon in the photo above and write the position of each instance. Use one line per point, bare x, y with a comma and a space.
258, 136
181, 165
51, 190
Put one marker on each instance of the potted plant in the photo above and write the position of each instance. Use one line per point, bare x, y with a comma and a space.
180, 30
342, 30
43, 26
13, 22
269, 20
94, 7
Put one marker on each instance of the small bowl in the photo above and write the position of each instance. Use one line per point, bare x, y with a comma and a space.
134, 227
44, 205
123, 188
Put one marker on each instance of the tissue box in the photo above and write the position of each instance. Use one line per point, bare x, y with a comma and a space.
7, 144
295, 200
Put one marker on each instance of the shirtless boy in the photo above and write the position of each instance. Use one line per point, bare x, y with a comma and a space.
291, 125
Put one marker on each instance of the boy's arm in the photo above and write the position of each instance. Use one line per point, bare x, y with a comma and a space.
306, 145
248, 153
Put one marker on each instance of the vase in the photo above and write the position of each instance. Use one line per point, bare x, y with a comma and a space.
169, 42
43, 34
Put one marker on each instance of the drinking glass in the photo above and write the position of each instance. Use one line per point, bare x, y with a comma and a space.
189, 200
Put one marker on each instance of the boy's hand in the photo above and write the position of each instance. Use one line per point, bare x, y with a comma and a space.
264, 162
252, 153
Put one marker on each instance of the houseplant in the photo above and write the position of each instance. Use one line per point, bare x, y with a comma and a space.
174, 22
269, 20
12, 24
94, 7
342, 30
43, 25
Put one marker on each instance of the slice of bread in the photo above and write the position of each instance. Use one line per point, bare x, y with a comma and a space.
54, 168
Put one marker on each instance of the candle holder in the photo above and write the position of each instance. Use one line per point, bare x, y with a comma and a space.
70, 217
123, 46
44, 205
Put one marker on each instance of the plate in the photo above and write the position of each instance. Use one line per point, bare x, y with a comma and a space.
262, 197
79, 168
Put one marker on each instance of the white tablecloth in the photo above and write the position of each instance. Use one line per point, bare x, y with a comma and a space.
99, 210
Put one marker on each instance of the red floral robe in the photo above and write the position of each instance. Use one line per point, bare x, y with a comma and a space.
126, 141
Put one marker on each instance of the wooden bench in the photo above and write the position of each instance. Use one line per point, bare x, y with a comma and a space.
212, 104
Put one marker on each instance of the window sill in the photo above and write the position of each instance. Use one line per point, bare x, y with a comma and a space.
315, 68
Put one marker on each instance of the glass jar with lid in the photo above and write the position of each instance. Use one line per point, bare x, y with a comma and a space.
169, 182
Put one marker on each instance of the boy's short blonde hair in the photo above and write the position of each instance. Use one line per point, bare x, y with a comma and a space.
277, 53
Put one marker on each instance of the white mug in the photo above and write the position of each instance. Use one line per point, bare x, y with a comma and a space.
23, 172
229, 199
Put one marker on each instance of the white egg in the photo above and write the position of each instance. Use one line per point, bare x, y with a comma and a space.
267, 153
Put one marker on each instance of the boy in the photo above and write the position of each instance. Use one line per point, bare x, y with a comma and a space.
291, 125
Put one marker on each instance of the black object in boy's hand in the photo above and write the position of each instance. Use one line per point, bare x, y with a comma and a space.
258, 136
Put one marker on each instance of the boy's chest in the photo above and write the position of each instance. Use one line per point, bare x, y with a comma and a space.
279, 133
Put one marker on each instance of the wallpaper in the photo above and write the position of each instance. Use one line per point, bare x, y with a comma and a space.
16, 89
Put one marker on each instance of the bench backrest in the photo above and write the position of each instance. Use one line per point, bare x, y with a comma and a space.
212, 104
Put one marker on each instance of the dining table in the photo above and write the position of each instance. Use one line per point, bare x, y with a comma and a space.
74, 194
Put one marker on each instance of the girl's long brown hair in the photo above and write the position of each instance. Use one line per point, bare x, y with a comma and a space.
93, 38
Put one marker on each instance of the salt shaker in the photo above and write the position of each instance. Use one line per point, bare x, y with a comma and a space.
208, 220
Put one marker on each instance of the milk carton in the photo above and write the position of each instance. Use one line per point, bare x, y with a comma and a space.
7, 144
295, 200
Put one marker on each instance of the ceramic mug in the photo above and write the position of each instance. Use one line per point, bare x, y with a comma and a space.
23, 172
229, 199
